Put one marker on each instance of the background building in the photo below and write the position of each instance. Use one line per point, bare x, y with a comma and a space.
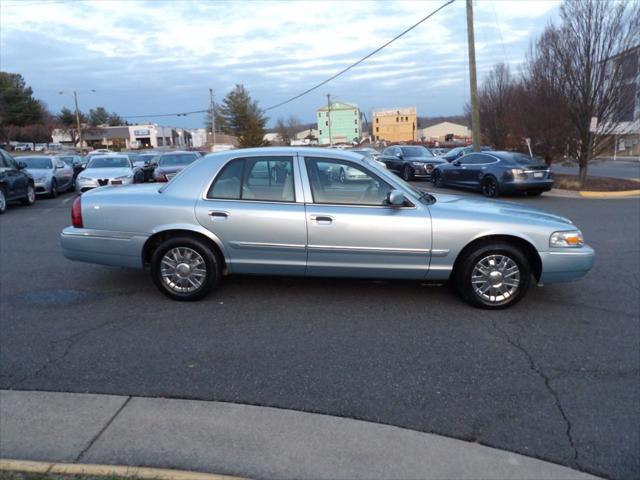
396, 125
444, 132
342, 121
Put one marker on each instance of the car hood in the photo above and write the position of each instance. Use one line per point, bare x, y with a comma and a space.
105, 172
499, 207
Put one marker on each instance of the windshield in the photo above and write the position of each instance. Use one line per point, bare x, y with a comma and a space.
37, 163
177, 159
109, 162
416, 152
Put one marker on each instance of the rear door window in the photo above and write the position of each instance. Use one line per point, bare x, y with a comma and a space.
262, 178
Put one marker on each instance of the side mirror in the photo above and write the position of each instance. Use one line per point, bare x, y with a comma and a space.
22, 165
399, 156
395, 198
456, 163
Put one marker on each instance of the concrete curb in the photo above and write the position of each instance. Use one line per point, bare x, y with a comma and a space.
607, 195
124, 471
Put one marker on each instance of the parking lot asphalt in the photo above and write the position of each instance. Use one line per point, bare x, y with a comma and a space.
556, 377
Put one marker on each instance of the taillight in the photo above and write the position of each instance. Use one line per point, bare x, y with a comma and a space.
76, 213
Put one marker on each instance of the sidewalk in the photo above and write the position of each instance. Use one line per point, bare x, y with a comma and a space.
241, 440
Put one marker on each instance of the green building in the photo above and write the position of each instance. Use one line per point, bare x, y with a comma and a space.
340, 123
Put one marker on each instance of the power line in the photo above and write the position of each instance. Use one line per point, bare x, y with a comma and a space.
361, 60
179, 114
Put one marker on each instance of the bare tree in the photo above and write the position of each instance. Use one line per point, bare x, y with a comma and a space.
495, 100
540, 107
592, 31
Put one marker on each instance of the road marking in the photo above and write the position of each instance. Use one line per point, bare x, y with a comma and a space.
107, 470
67, 200
621, 194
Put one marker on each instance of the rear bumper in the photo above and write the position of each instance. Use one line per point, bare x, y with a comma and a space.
526, 185
120, 249
566, 265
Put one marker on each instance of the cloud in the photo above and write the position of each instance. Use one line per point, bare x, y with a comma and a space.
143, 56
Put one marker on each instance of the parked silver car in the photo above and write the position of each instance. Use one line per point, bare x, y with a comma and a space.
105, 170
279, 211
50, 174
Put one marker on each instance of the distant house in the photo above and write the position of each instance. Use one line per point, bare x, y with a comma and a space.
339, 123
307, 133
394, 124
444, 132
272, 138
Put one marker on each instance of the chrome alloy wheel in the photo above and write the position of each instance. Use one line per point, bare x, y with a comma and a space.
3, 201
495, 278
183, 270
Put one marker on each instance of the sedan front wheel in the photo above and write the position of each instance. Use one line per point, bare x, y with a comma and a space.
185, 268
493, 275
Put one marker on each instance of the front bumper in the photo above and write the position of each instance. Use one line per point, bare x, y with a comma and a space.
567, 264
423, 171
120, 249
82, 185
42, 187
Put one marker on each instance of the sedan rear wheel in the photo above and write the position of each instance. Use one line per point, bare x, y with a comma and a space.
185, 268
493, 276
490, 187
53, 193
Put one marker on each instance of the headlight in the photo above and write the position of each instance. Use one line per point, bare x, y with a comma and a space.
124, 177
572, 238
83, 179
40, 179
516, 172
417, 164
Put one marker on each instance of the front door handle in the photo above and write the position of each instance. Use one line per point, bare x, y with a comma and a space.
322, 219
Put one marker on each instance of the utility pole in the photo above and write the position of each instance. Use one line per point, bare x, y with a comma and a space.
212, 108
75, 99
473, 82
329, 118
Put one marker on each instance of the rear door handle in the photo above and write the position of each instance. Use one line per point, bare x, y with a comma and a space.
322, 219
218, 215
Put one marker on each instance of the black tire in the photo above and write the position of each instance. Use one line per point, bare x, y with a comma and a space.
490, 187
53, 193
30, 199
462, 276
3, 201
138, 178
436, 178
213, 266
407, 173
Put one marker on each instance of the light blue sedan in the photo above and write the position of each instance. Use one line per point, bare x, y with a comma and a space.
279, 211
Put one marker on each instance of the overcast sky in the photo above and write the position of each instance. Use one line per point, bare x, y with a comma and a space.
162, 57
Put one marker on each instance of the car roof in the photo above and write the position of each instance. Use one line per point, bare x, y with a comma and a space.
303, 151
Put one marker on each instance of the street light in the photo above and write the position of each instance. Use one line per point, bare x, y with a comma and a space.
75, 98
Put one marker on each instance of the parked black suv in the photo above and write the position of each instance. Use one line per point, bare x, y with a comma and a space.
15, 182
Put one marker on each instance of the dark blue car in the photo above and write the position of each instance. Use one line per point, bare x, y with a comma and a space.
15, 182
495, 173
